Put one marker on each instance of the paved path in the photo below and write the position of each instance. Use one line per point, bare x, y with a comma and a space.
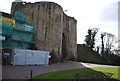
96, 65
20, 72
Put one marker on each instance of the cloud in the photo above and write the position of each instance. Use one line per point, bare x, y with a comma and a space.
110, 13
5, 5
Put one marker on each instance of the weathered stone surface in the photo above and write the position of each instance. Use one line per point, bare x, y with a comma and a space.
54, 30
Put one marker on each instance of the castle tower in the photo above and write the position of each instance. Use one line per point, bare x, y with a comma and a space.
54, 30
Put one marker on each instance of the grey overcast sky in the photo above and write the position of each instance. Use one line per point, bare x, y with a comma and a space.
102, 14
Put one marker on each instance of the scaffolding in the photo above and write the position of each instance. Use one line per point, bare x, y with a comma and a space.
18, 33
6, 25
6, 43
20, 45
24, 26
20, 16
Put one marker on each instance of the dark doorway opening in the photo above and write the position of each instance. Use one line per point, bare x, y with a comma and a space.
64, 53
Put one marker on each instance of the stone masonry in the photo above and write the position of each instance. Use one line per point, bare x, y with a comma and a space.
54, 30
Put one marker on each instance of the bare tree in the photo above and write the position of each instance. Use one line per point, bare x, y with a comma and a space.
108, 41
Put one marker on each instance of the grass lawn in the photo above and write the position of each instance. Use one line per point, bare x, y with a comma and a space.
114, 70
83, 73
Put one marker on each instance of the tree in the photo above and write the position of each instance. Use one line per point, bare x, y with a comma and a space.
102, 38
97, 49
90, 38
94, 32
108, 41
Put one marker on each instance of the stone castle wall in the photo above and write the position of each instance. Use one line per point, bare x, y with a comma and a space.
54, 30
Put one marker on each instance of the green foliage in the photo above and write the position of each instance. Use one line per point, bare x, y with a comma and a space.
85, 54
112, 59
90, 38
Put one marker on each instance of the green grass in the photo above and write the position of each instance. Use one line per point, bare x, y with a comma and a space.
114, 70
85, 73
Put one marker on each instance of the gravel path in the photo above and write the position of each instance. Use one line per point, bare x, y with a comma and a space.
23, 72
